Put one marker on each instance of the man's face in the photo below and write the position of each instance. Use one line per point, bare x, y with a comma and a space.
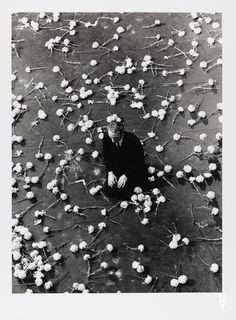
115, 136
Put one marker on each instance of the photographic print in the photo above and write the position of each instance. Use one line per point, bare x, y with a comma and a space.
116, 152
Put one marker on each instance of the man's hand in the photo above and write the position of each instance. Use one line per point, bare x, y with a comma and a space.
122, 181
112, 180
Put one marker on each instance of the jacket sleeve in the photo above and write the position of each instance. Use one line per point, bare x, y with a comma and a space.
137, 155
107, 155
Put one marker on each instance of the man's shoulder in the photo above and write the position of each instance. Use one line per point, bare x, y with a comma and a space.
131, 137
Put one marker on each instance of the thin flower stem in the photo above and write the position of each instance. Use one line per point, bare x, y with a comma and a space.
169, 183
189, 156
40, 103
202, 260
44, 170
95, 237
152, 287
208, 239
167, 142
52, 205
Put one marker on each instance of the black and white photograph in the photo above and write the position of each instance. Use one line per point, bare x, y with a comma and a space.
116, 152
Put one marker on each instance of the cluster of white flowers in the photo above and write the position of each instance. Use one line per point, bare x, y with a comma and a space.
126, 67
113, 117
143, 202
136, 265
182, 279
85, 123
95, 190
83, 93
147, 61
112, 95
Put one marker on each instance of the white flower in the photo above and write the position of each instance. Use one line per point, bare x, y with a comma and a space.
135, 264
167, 168
211, 149
55, 69
182, 279
219, 136
197, 149
67, 207
174, 283
211, 195
30, 195
16, 255
95, 45
137, 190
29, 165
189, 62
170, 42
124, 204
141, 247
74, 97
187, 168
41, 114
212, 166
95, 154
83, 245
74, 248
104, 265
109, 247
101, 225
148, 279
159, 148
176, 137
88, 140
46, 229
48, 285
151, 169
214, 267
215, 25
200, 178
202, 114
81, 287
203, 64
155, 113
191, 122
211, 82
173, 244
180, 109
90, 229
86, 257
179, 83
63, 196
103, 212
144, 221
140, 268
214, 211
185, 241
56, 256
191, 108
93, 62
202, 136
48, 156
207, 175
29, 291
120, 30
179, 174
192, 179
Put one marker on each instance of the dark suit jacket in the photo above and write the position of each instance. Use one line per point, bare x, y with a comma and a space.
127, 159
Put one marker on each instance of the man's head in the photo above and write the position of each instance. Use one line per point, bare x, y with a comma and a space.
115, 130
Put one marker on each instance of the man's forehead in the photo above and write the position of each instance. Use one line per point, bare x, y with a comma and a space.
114, 132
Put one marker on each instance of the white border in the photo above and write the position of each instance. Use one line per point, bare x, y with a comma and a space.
122, 306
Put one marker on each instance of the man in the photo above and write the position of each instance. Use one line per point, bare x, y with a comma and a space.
124, 160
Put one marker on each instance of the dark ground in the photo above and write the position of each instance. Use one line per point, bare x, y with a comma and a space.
157, 257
